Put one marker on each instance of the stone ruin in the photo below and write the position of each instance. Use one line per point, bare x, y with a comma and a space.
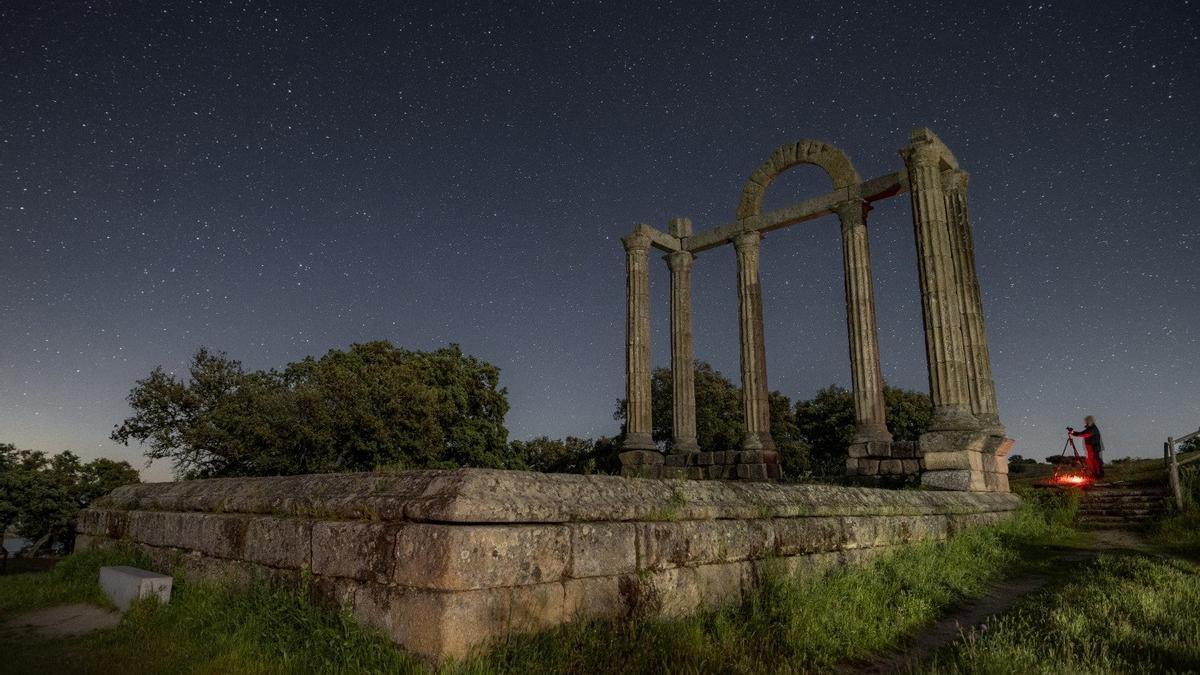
965, 446
445, 562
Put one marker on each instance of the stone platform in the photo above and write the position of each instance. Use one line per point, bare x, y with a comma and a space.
445, 561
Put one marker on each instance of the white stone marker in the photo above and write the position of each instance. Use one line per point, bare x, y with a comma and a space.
125, 584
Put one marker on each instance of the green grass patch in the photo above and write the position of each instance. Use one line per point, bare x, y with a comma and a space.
1122, 614
75, 579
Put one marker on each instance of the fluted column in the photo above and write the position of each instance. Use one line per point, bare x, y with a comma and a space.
755, 406
638, 424
980, 386
939, 293
869, 410
683, 386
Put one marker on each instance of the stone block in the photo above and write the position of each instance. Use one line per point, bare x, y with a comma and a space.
279, 542
595, 598
697, 542
912, 466
953, 441
868, 467
996, 482
640, 457
536, 608
602, 549
435, 624
696, 472
704, 458
799, 536
466, 557
674, 472
752, 471
123, 585
750, 457
642, 471
891, 466
354, 550
774, 472
955, 479
995, 463
217, 535
958, 459
770, 457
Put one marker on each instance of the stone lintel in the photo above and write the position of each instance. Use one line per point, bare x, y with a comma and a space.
809, 209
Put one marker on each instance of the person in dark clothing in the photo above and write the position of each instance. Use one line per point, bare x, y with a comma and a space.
1093, 443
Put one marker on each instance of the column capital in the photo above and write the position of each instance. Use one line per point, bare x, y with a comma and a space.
955, 180
679, 260
852, 209
747, 240
636, 241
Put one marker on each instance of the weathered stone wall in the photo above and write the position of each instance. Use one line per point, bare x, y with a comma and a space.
442, 561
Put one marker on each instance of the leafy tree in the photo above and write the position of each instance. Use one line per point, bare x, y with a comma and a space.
1190, 445
40, 495
370, 406
568, 455
826, 423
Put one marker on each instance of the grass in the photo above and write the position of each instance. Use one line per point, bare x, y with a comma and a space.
1124, 614
1180, 533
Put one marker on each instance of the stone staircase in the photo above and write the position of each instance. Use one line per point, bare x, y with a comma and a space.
1121, 505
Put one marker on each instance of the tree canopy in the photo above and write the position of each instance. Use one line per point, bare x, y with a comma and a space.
41, 494
373, 405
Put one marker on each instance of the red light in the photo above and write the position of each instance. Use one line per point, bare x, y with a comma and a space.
1073, 479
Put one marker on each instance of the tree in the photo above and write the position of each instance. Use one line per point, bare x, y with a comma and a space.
41, 495
568, 455
371, 406
826, 423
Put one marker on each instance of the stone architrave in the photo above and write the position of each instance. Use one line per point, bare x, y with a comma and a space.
755, 406
638, 425
683, 386
939, 292
871, 432
981, 388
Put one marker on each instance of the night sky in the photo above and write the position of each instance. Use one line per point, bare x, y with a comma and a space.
276, 180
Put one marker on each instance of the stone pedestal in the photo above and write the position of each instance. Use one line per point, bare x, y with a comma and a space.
965, 460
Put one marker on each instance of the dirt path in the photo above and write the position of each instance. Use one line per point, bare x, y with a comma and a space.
998, 599
63, 620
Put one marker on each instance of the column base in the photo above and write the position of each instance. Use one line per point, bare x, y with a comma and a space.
639, 441
953, 418
684, 446
974, 461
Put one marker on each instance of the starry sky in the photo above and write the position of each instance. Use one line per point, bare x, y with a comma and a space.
276, 180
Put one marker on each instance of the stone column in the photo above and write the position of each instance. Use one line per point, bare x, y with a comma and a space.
980, 386
869, 411
638, 425
755, 407
683, 386
939, 292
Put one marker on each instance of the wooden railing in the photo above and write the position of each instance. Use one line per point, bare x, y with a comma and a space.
1173, 464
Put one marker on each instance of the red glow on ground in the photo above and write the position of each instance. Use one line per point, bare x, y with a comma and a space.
1073, 479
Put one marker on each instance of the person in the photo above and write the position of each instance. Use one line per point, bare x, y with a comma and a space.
1093, 443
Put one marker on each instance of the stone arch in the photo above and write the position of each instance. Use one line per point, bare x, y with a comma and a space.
833, 161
